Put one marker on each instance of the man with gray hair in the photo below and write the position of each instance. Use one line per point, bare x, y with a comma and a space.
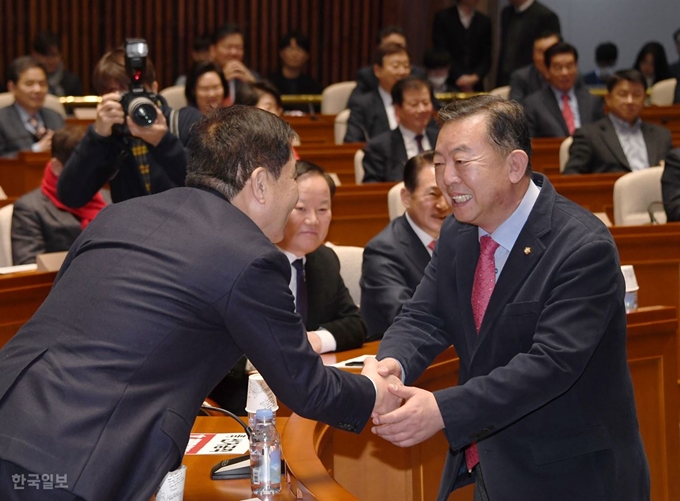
157, 299
530, 293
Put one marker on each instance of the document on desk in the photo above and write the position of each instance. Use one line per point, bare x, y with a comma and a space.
356, 362
217, 443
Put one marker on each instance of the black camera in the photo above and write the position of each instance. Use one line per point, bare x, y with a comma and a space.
138, 104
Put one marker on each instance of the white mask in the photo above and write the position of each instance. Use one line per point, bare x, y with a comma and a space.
438, 81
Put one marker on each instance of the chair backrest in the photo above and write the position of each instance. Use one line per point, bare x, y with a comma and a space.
334, 97
175, 97
564, 152
504, 91
340, 126
51, 102
394, 206
663, 92
359, 167
350, 268
634, 194
6, 235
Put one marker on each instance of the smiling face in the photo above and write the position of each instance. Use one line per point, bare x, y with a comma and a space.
563, 71
229, 48
308, 224
209, 92
426, 205
482, 187
394, 68
416, 109
30, 89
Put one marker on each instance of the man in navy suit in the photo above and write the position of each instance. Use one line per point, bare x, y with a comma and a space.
386, 153
530, 293
26, 124
395, 259
565, 105
157, 299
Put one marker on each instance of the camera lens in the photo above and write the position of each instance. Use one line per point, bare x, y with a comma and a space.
143, 112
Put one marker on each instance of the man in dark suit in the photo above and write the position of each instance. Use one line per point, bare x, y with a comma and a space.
521, 22
670, 185
530, 293
26, 124
395, 259
135, 162
606, 55
675, 67
533, 77
47, 51
372, 113
466, 35
386, 154
620, 142
156, 300
565, 105
40, 222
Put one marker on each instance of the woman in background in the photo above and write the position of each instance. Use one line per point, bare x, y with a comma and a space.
651, 61
206, 88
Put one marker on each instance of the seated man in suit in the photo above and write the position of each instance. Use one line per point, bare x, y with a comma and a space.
47, 51
675, 67
606, 55
670, 185
386, 153
372, 113
227, 50
134, 160
395, 259
40, 222
533, 77
564, 106
620, 142
26, 124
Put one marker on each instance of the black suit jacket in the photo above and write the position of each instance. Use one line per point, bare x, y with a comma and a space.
670, 185
393, 265
13, 135
368, 82
676, 99
38, 226
367, 118
518, 32
545, 117
524, 82
470, 48
544, 388
330, 305
385, 155
104, 382
596, 148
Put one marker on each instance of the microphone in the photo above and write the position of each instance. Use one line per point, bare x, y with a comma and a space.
233, 468
650, 211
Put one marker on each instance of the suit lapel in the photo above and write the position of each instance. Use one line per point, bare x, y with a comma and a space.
652, 143
466, 262
553, 105
610, 139
414, 249
22, 137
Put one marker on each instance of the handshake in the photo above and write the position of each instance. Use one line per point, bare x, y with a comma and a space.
403, 415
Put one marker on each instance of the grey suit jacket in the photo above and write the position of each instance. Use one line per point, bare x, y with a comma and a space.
524, 82
385, 155
38, 226
545, 117
393, 265
544, 388
13, 135
367, 118
596, 148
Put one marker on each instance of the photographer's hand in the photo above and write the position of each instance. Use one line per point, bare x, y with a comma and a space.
109, 113
150, 135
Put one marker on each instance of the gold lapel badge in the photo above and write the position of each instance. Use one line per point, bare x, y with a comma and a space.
527, 251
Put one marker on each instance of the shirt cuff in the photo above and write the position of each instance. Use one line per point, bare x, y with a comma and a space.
35, 147
328, 342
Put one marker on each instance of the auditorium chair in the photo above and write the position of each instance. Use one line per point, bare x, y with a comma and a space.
6, 235
51, 102
394, 206
175, 97
359, 167
663, 92
504, 91
637, 198
350, 268
340, 126
334, 97
564, 152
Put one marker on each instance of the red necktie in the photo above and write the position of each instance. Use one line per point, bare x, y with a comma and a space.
482, 287
568, 114
431, 245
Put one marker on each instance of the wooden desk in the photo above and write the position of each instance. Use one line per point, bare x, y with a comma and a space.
668, 116
319, 129
20, 175
334, 158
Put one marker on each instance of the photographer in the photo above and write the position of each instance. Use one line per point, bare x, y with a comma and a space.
135, 160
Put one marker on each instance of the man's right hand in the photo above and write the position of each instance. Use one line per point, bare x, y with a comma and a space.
109, 113
385, 401
45, 143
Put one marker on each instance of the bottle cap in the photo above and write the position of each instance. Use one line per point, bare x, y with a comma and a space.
262, 414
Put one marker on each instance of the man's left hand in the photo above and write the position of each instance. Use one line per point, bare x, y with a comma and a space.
150, 135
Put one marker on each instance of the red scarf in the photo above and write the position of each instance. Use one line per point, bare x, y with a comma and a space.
85, 214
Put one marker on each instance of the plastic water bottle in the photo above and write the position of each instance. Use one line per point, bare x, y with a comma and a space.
265, 455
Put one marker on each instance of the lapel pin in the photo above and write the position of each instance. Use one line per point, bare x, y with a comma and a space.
527, 251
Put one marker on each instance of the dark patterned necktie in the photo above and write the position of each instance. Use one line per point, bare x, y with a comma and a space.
301, 292
38, 129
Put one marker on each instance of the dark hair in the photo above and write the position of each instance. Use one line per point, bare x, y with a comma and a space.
413, 167
111, 72
200, 44
606, 53
548, 34
661, 69
250, 93
434, 59
230, 143
626, 75
303, 167
300, 38
506, 125
559, 48
387, 49
65, 140
676, 34
410, 82
196, 71
389, 30
20, 65
44, 42
225, 31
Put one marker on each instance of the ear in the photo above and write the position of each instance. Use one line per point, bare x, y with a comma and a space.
405, 197
258, 185
10, 86
518, 162
377, 69
56, 166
